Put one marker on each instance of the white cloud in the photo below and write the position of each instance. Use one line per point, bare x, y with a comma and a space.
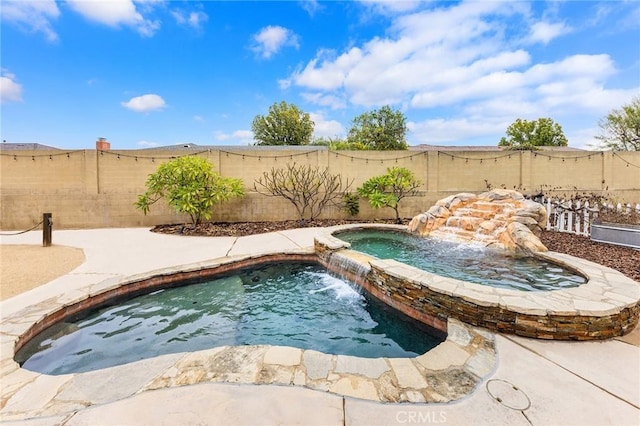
387, 7
468, 67
440, 131
310, 6
145, 103
270, 40
239, 137
10, 90
428, 48
332, 101
194, 19
115, 13
544, 32
198, 118
584, 138
326, 128
147, 144
32, 16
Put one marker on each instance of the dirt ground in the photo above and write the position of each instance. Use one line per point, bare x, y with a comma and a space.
23, 267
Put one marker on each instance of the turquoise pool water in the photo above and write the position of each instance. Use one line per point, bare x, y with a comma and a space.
288, 304
466, 262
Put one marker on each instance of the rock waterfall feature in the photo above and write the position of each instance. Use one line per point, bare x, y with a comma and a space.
500, 218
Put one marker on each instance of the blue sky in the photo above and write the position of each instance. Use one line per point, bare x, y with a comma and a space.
154, 72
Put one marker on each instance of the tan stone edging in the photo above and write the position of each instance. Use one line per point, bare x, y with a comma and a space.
450, 371
607, 305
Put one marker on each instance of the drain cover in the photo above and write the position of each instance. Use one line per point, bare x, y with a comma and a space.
508, 394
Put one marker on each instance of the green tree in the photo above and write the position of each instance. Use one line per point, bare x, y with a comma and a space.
621, 128
338, 144
382, 129
284, 125
524, 134
189, 185
389, 189
308, 188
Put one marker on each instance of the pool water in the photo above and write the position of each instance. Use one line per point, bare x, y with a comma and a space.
466, 262
288, 304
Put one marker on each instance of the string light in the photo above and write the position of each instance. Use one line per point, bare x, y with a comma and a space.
337, 154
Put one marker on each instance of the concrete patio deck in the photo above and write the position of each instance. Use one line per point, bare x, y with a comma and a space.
577, 383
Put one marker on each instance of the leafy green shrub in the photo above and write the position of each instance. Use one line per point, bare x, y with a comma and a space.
189, 185
351, 203
389, 189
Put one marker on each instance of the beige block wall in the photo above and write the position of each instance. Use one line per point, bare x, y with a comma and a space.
48, 172
89, 189
471, 171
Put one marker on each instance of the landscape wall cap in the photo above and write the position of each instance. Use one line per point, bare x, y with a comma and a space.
427, 147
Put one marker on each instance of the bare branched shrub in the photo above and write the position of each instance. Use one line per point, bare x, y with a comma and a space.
308, 188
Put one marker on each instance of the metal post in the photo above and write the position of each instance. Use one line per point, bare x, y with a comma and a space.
47, 224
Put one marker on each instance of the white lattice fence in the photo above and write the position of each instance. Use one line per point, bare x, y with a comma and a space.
576, 217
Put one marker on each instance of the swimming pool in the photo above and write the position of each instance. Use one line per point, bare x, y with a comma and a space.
287, 304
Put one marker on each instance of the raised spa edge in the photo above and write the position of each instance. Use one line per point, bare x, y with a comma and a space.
606, 305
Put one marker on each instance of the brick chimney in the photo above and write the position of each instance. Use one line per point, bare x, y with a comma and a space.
102, 144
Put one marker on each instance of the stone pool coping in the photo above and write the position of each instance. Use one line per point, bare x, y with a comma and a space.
464, 358
607, 305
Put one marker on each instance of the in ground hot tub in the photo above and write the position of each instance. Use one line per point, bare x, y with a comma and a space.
603, 305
